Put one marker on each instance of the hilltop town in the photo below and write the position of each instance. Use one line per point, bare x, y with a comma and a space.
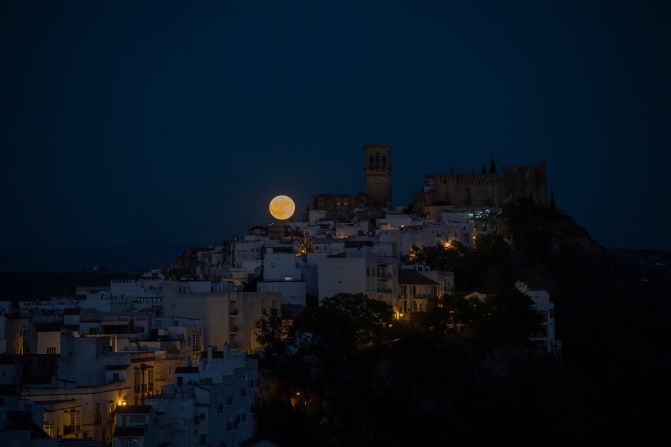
171, 356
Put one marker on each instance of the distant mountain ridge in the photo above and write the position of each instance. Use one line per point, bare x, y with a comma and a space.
136, 256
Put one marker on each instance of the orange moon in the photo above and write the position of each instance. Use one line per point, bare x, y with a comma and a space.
282, 207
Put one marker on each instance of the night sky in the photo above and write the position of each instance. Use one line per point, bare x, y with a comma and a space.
126, 121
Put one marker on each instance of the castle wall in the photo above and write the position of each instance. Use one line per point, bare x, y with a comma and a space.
525, 181
467, 189
474, 190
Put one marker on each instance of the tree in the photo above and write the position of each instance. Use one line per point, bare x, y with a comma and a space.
323, 369
510, 317
492, 167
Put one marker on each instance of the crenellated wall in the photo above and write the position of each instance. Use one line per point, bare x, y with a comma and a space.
475, 190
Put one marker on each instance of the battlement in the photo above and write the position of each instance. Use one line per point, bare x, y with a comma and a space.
470, 189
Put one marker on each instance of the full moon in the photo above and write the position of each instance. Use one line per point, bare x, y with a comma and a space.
282, 207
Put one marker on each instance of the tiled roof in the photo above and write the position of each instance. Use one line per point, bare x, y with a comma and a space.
409, 276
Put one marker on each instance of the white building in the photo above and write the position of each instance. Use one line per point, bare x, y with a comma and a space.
292, 292
225, 317
546, 309
248, 249
341, 275
344, 230
208, 404
445, 280
281, 267
375, 277
132, 422
396, 221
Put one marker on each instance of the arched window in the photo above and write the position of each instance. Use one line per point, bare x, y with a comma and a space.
377, 159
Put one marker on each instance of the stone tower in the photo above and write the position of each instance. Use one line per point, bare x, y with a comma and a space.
378, 173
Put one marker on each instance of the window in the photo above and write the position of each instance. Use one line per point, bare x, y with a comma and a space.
150, 379
51, 350
180, 381
195, 341
203, 439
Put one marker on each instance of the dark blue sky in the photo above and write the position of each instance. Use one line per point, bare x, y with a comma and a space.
125, 121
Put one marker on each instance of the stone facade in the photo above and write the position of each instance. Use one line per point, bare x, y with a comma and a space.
339, 206
378, 173
482, 190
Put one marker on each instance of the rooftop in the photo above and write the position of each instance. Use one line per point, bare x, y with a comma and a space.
409, 276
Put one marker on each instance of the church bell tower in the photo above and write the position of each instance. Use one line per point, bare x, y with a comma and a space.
378, 173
